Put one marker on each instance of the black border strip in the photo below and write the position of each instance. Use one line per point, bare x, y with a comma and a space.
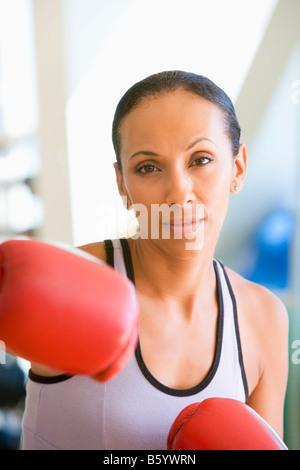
237, 331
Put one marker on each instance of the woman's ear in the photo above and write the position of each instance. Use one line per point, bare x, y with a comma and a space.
121, 186
239, 169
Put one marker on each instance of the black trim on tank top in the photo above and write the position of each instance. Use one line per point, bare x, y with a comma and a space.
109, 252
41, 379
217, 355
212, 371
127, 259
237, 332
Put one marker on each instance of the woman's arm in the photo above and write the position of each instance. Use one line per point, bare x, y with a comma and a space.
267, 398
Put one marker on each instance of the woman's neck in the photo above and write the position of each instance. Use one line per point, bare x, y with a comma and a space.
188, 280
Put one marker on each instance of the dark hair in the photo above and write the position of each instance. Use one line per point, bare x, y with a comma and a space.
171, 81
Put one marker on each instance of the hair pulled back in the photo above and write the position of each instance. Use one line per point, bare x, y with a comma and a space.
169, 81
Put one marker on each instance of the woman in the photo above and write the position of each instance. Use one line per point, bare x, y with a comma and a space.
204, 330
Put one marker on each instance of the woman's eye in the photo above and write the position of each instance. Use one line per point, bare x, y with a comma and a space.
201, 161
146, 169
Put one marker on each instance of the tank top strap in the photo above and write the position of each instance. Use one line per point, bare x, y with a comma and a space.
231, 340
118, 256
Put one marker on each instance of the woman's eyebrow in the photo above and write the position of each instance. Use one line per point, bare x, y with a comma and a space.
197, 141
148, 153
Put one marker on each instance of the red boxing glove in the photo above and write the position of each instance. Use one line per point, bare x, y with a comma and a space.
65, 310
222, 424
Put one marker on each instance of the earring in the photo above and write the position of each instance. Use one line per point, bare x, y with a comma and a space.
124, 200
235, 188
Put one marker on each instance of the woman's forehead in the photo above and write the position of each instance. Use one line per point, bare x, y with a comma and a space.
172, 113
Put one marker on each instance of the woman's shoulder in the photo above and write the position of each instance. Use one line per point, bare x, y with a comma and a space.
259, 303
263, 325
96, 249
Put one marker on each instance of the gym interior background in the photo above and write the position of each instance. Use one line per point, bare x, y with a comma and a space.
63, 66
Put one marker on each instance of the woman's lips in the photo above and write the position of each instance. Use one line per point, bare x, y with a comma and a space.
183, 228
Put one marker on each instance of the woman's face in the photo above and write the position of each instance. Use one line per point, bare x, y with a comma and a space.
175, 153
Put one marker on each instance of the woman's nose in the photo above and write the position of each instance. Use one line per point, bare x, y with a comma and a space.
179, 189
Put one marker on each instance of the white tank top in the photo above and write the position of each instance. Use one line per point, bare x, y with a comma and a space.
133, 411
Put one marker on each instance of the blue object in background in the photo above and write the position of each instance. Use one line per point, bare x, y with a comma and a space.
268, 251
